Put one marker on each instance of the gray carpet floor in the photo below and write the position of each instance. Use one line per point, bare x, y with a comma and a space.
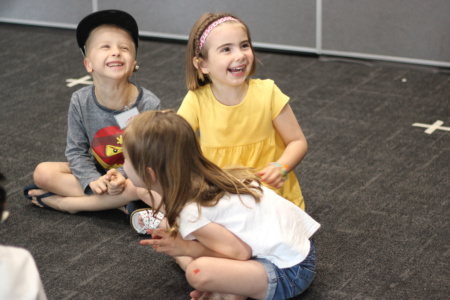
378, 185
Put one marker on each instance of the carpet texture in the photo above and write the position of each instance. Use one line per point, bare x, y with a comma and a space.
378, 185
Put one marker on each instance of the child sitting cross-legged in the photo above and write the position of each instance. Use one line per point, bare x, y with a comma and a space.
232, 236
92, 178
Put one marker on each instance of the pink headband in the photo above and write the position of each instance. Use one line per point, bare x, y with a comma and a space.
210, 28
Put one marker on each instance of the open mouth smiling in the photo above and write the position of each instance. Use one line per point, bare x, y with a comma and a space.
237, 69
114, 64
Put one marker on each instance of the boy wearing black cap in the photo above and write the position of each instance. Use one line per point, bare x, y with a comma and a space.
98, 114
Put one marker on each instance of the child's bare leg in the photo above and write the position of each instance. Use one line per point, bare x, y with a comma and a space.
227, 278
183, 261
88, 202
56, 177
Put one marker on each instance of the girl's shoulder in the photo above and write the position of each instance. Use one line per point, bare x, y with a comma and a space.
265, 88
262, 83
205, 89
203, 93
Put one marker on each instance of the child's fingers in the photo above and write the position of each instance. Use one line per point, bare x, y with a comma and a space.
269, 177
112, 171
116, 184
102, 187
278, 185
158, 233
155, 242
269, 174
274, 179
113, 192
112, 185
150, 242
110, 174
146, 242
118, 181
98, 191
262, 176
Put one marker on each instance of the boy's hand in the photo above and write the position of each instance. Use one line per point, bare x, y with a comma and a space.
116, 182
272, 176
99, 186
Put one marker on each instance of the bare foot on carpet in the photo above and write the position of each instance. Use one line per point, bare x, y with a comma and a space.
195, 294
52, 201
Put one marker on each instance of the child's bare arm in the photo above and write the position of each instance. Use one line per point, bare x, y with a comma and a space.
296, 147
213, 240
222, 242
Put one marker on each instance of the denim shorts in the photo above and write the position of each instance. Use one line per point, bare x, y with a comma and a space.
290, 282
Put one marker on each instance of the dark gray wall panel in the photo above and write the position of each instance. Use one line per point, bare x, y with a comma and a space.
66, 13
288, 22
413, 31
405, 28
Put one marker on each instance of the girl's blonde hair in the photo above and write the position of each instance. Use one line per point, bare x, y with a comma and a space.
165, 142
194, 77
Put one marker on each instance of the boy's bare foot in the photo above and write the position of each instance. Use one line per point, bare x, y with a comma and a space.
52, 200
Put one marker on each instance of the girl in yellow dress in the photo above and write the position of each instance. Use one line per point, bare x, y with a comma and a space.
240, 121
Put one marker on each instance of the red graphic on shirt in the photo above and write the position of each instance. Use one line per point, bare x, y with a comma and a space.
107, 147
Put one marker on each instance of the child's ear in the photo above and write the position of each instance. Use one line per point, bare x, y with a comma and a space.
200, 65
151, 174
195, 62
135, 68
88, 65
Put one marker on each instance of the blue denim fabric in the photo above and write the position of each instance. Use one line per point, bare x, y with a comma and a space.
290, 282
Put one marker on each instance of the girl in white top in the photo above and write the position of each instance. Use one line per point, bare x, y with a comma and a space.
229, 233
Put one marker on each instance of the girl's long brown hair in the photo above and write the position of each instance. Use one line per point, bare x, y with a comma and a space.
194, 77
165, 142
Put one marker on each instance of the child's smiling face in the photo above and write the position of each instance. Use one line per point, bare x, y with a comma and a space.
110, 53
230, 56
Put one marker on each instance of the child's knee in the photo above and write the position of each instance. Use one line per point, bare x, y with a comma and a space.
197, 273
41, 175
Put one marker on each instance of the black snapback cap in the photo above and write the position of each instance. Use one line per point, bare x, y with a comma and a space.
112, 17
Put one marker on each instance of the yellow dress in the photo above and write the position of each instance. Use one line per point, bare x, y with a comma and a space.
242, 134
